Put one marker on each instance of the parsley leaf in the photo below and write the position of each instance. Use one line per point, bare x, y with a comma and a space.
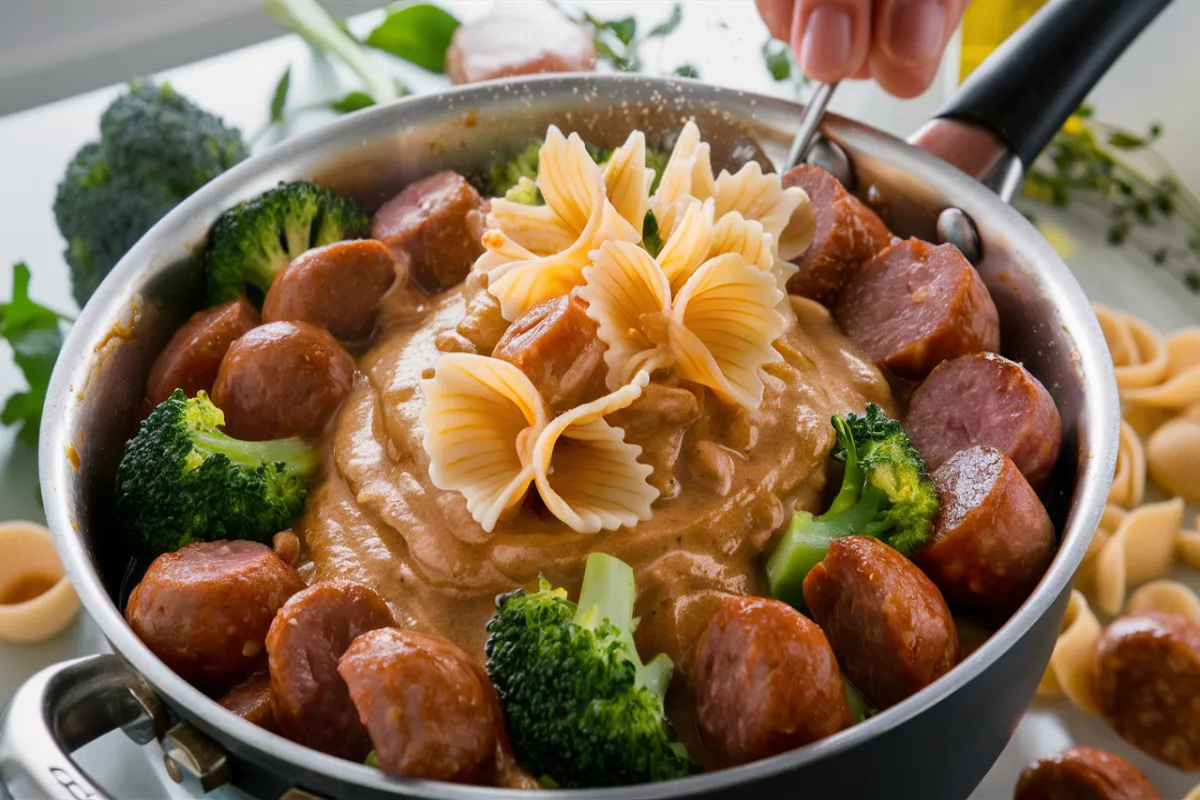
279, 99
36, 335
419, 33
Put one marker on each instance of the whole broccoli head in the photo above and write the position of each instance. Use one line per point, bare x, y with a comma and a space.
252, 242
582, 709
155, 149
886, 493
182, 480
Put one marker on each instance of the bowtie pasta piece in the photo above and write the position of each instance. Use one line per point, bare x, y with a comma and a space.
688, 174
717, 331
784, 213
488, 437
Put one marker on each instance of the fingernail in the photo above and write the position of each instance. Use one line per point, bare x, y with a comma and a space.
916, 30
825, 50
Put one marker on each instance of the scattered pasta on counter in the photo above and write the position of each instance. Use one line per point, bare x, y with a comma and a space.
1129, 482
1069, 672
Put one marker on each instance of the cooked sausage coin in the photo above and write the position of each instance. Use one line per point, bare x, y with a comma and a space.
434, 226
992, 538
422, 702
311, 703
847, 234
251, 700
205, 609
191, 359
1146, 681
556, 344
282, 379
1084, 773
915, 305
985, 399
336, 287
766, 681
888, 624
505, 43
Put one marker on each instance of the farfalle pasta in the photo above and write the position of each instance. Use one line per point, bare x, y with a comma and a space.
488, 437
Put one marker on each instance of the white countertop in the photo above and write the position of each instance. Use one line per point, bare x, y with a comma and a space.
36, 145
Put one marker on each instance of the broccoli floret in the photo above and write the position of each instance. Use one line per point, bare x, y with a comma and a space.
182, 480
582, 708
252, 242
886, 493
515, 179
505, 175
155, 149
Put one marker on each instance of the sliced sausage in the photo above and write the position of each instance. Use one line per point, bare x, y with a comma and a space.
992, 538
556, 344
205, 609
1084, 773
191, 359
985, 399
310, 633
282, 379
509, 773
1146, 681
336, 287
888, 624
421, 699
506, 43
847, 234
766, 681
434, 226
657, 421
914, 305
251, 700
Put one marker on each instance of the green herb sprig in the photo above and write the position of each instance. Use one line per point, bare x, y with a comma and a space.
618, 43
1093, 161
36, 335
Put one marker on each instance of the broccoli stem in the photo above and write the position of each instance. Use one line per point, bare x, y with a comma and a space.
308, 19
608, 594
299, 457
860, 709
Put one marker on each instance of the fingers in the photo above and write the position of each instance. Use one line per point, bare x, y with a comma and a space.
831, 38
908, 39
778, 16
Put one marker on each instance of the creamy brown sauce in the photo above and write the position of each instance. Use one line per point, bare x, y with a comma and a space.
377, 518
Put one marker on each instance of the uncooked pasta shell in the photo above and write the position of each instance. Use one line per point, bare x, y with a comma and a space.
1173, 457
1070, 664
1181, 389
1129, 481
1171, 597
1143, 548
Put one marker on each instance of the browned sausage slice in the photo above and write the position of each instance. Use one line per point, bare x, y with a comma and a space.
251, 700
310, 633
847, 234
992, 538
336, 287
766, 681
915, 305
888, 624
191, 359
1084, 773
1146, 680
556, 344
985, 399
205, 609
505, 43
434, 226
282, 379
421, 700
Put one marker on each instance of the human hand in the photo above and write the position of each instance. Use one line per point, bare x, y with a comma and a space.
899, 43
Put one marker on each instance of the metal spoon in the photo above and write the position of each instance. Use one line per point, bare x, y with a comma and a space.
810, 122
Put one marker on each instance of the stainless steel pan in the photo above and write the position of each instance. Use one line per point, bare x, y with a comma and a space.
938, 743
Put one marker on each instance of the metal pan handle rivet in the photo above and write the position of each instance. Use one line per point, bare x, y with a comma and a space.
956, 228
200, 763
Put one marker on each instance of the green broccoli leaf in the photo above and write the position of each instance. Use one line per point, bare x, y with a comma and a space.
651, 238
668, 25
279, 99
419, 33
351, 102
36, 335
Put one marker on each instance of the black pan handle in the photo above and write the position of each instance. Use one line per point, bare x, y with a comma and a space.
1026, 89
